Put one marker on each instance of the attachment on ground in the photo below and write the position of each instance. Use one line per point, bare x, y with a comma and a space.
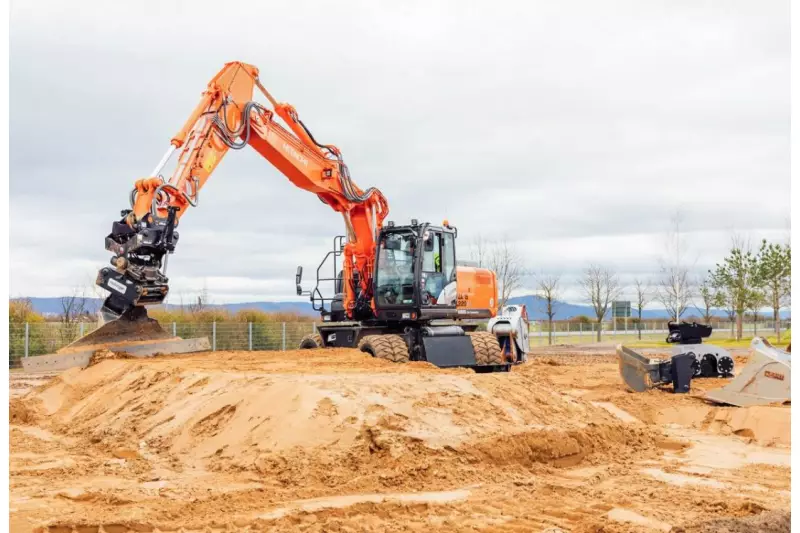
766, 379
641, 373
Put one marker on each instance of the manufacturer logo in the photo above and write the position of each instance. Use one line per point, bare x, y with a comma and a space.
120, 288
774, 375
295, 154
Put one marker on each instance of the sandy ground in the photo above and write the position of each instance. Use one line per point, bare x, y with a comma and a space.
332, 440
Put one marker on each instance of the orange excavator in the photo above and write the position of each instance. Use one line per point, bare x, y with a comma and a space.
399, 293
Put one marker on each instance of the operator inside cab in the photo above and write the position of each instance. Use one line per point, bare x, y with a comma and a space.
436, 274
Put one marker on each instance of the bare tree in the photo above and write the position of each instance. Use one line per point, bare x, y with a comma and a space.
548, 289
201, 304
643, 297
478, 252
506, 261
674, 289
601, 287
74, 309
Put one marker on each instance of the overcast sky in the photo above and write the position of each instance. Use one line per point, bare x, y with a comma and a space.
573, 129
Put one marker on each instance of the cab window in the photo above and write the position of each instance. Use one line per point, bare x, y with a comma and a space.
448, 257
431, 259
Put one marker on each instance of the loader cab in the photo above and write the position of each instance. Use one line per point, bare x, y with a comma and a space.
415, 272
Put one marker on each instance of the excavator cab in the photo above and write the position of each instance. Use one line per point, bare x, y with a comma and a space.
421, 298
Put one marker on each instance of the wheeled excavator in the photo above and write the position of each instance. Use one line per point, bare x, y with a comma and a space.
399, 293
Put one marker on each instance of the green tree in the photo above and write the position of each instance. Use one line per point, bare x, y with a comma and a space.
723, 300
710, 299
755, 301
738, 276
774, 277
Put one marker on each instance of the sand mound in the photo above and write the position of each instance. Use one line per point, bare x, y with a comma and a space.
119, 332
22, 411
315, 422
766, 425
101, 355
332, 440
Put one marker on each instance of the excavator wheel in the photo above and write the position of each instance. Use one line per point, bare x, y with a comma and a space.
390, 347
487, 349
311, 341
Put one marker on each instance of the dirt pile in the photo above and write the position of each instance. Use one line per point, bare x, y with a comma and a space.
324, 425
599, 381
104, 354
22, 411
333, 440
119, 332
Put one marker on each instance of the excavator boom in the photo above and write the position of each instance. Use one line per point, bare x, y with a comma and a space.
228, 118
396, 286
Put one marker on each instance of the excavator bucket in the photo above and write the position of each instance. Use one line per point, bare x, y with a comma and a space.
766, 379
132, 332
132, 326
637, 371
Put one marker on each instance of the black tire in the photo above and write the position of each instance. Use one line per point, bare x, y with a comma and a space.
487, 348
311, 341
708, 366
390, 347
725, 366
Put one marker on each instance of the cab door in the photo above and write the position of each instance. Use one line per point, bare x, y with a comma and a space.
438, 272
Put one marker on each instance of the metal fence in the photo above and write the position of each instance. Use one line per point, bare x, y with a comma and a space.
31, 339
578, 333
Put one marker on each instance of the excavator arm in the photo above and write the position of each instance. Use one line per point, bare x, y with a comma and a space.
228, 118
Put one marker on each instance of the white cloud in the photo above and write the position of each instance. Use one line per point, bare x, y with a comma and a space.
574, 129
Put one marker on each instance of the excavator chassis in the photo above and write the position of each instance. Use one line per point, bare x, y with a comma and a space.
446, 345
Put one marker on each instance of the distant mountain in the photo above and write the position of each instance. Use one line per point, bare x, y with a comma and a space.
564, 311
303, 308
54, 306
536, 308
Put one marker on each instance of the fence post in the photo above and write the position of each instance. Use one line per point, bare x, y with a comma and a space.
27, 336
174, 329
581, 329
214, 336
314, 328
283, 336
81, 329
250, 336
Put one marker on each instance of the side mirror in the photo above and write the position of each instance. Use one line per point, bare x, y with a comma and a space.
297, 279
